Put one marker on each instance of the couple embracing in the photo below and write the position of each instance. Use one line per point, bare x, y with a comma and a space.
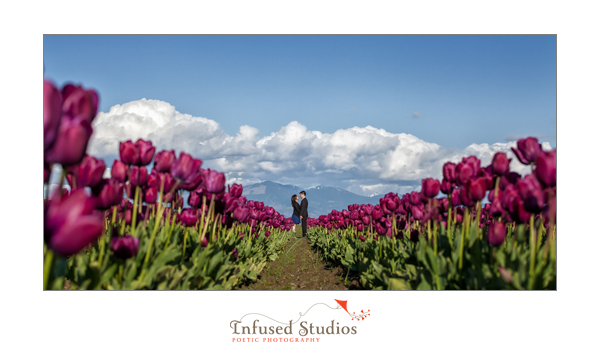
300, 212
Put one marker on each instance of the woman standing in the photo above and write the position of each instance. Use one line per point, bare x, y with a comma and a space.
296, 214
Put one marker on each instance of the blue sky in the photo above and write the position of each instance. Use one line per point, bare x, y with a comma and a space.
429, 99
466, 89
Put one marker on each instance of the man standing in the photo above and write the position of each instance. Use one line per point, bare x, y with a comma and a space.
303, 212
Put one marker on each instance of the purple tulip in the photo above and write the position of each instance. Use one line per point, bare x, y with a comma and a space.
52, 113
500, 164
163, 162
267, 234
446, 187
545, 168
377, 212
235, 190
146, 152
124, 247
108, 193
449, 171
417, 212
138, 175
518, 212
527, 150
71, 223
150, 195
467, 169
532, 194
214, 181
187, 170
430, 187
119, 171
188, 217
496, 209
476, 189
496, 233
456, 198
89, 172
414, 236
70, 143
464, 197
129, 153
80, 103
241, 214
414, 198
194, 199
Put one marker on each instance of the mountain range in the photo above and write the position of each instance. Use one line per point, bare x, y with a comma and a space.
321, 200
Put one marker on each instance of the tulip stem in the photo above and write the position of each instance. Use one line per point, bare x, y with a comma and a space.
187, 231
48, 260
532, 241
114, 215
462, 238
134, 212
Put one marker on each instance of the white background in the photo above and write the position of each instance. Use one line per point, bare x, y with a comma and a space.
35, 319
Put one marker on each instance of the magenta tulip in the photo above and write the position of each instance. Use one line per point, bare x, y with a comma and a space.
124, 247
80, 103
89, 172
545, 168
532, 194
150, 195
476, 189
500, 164
187, 170
138, 175
240, 214
214, 181
430, 187
119, 171
527, 150
496, 233
465, 199
449, 171
71, 223
108, 193
188, 217
446, 187
52, 113
129, 153
235, 190
163, 162
146, 152
70, 143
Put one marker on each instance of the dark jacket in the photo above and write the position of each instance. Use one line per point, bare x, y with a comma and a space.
304, 208
296, 208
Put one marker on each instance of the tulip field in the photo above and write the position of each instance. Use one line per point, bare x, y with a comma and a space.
422, 241
131, 231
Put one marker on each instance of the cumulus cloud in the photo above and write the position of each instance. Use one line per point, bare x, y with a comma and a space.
363, 160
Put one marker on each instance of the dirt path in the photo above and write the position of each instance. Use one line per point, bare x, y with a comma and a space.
301, 268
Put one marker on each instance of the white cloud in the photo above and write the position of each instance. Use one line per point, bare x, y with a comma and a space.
362, 160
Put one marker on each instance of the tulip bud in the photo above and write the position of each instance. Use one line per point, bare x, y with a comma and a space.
214, 182
150, 195
146, 151
240, 214
446, 187
188, 217
496, 233
124, 247
52, 113
531, 193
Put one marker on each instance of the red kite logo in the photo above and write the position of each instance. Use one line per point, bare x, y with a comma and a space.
353, 315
